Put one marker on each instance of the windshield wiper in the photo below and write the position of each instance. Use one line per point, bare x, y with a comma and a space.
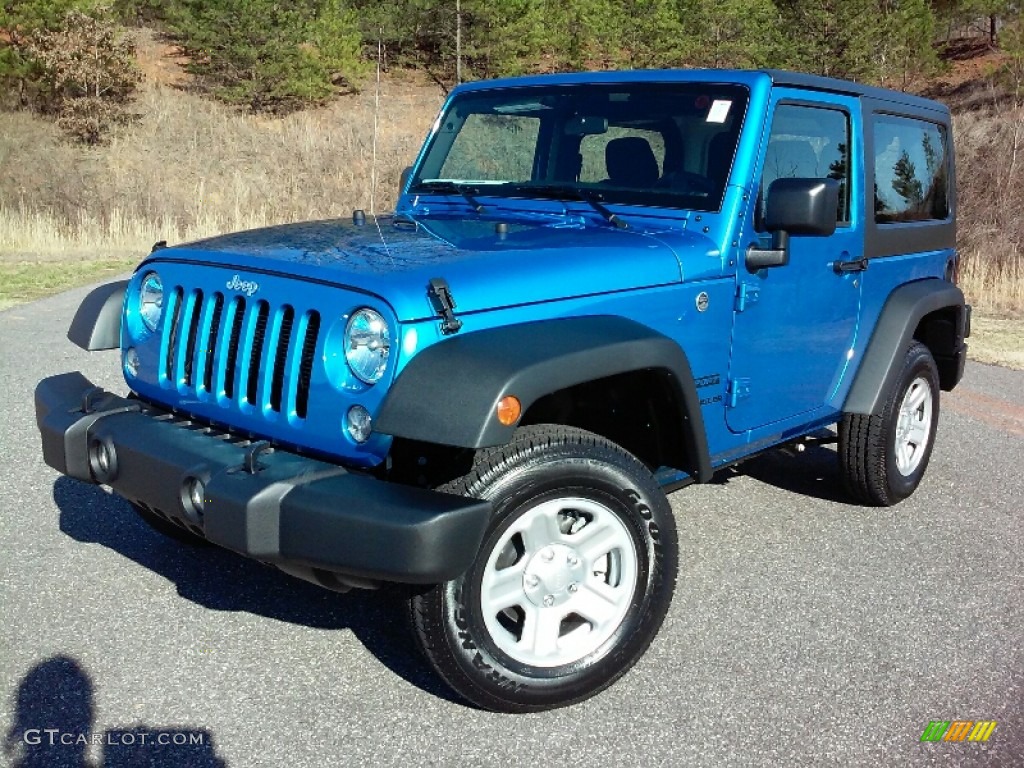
568, 192
450, 187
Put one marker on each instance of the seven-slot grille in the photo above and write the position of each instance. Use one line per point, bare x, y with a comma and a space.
240, 350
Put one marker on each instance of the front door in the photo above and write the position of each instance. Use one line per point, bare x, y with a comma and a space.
795, 325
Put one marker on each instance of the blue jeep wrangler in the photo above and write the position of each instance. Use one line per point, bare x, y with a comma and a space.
595, 288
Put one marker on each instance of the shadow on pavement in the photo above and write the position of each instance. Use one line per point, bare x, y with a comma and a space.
813, 472
53, 727
223, 581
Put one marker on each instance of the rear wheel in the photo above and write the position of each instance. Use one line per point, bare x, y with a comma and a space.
572, 580
884, 456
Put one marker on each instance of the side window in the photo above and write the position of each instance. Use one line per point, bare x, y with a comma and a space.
493, 148
809, 143
911, 180
594, 152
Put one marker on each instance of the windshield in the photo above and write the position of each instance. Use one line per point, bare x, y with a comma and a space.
667, 144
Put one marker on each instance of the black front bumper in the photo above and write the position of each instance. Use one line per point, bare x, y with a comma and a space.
311, 518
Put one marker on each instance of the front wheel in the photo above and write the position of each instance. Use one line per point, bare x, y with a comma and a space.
572, 580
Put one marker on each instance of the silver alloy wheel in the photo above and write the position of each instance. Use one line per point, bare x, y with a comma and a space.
913, 426
558, 582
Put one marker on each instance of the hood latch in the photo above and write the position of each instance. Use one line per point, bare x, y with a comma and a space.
441, 297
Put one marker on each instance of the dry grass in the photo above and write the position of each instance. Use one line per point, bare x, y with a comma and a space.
32, 236
995, 286
997, 340
990, 182
996, 289
189, 167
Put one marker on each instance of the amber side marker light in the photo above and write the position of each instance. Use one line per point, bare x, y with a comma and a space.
509, 410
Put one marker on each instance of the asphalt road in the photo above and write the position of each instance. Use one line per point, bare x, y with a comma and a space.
804, 631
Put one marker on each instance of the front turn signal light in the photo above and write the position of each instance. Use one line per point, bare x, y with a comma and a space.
509, 410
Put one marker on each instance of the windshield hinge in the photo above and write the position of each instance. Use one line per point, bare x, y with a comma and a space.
441, 297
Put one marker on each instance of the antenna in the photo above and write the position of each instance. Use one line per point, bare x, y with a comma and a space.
376, 111
373, 164
458, 42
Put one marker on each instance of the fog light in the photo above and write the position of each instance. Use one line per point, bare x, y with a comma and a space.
131, 362
194, 498
359, 423
102, 461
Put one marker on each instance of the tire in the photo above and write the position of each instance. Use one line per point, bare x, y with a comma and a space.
883, 457
169, 529
571, 615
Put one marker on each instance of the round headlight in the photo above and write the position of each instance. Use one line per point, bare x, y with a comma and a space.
151, 300
367, 345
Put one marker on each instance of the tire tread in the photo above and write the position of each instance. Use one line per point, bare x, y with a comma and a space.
425, 618
863, 440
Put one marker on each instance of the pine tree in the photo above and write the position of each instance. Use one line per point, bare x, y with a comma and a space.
267, 55
415, 33
650, 33
20, 73
503, 38
905, 47
905, 182
583, 32
733, 33
1011, 73
87, 67
69, 59
837, 38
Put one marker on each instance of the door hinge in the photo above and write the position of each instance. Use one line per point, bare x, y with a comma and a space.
738, 389
746, 295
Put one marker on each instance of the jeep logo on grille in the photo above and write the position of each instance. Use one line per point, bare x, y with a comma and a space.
248, 287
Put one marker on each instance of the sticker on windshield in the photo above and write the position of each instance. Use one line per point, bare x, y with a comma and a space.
719, 111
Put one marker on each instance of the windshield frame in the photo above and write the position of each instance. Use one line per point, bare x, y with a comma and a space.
556, 106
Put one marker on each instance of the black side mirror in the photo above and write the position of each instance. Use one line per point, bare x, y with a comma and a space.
403, 180
795, 207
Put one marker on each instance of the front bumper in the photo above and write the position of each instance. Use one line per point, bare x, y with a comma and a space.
311, 518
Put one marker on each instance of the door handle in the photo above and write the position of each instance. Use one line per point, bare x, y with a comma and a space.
854, 265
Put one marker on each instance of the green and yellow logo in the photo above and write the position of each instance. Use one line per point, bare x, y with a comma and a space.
958, 730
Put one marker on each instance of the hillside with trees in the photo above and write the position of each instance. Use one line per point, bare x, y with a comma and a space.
128, 121
271, 56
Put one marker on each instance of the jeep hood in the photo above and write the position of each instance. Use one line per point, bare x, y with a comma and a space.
543, 259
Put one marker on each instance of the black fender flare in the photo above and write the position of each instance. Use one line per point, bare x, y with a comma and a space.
448, 393
893, 334
97, 323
